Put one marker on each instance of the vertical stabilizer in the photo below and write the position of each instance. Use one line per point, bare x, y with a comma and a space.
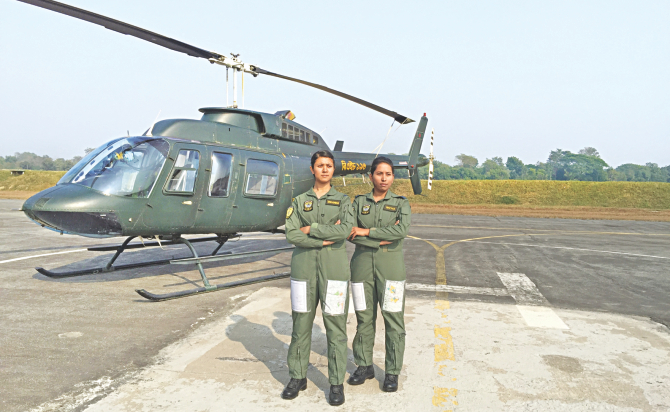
413, 166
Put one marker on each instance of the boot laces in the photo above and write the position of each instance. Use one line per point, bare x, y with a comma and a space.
336, 389
392, 378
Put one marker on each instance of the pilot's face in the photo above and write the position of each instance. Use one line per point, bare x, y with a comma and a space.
323, 169
382, 178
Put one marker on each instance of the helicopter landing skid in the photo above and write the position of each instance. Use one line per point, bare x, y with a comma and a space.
198, 261
125, 246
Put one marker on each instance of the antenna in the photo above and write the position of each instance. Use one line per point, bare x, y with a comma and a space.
227, 104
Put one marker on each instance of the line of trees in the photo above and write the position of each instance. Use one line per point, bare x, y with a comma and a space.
31, 161
585, 165
560, 165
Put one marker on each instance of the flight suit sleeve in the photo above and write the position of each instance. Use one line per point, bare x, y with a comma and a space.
294, 235
395, 232
362, 240
335, 233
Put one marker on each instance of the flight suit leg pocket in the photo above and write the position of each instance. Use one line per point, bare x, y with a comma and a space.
394, 291
336, 297
358, 292
299, 296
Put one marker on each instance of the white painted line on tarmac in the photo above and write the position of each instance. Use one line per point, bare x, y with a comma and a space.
541, 317
548, 247
522, 289
532, 305
45, 254
458, 289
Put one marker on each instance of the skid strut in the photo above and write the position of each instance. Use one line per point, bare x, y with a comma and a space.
211, 288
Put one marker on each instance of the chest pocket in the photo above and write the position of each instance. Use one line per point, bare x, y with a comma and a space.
388, 214
330, 209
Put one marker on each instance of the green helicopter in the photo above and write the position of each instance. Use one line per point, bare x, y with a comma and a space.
233, 171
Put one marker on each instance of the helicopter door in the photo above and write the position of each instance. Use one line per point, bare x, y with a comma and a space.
173, 209
217, 200
256, 206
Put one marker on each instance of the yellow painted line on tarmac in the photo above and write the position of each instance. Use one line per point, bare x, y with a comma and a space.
445, 350
444, 346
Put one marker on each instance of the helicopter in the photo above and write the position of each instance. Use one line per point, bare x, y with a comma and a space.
233, 171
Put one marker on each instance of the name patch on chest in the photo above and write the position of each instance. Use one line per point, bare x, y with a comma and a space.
308, 206
330, 202
390, 208
365, 210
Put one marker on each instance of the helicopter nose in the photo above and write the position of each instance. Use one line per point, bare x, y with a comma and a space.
73, 210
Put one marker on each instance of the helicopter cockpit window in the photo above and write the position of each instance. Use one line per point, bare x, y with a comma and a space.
262, 178
219, 180
124, 167
184, 172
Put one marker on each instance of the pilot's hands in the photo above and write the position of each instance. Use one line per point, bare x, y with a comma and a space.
384, 243
338, 222
305, 229
357, 231
327, 243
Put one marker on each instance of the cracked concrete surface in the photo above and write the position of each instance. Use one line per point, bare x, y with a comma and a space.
604, 362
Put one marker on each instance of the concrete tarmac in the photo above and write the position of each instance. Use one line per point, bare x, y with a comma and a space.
509, 314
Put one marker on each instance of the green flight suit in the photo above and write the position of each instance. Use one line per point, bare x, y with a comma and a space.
319, 273
378, 277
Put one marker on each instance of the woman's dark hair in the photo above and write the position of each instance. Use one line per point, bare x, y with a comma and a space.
378, 160
322, 153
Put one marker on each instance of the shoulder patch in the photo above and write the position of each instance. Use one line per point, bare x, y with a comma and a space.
331, 202
289, 212
390, 208
402, 197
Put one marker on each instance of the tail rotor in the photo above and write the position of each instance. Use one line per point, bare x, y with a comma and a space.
430, 160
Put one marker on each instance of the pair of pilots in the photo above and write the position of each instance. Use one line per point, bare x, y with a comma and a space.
318, 223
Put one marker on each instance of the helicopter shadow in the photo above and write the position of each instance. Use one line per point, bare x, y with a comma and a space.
272, 352
170, 252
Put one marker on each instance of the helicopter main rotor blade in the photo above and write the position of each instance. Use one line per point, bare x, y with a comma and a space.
176, 45
398, 117
123, 28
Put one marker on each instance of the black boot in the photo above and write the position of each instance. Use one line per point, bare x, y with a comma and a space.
336, 396
361, 374
294, 387
390, 383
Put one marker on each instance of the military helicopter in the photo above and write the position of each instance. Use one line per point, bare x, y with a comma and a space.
232, 171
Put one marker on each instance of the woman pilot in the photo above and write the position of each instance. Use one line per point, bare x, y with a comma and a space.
317, 223
382, 220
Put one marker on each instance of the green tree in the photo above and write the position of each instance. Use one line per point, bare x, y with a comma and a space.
467, 161
516, 167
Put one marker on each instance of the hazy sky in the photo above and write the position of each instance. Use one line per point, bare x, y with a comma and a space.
496, 78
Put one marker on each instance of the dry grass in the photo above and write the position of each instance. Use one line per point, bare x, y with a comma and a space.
569, 200
535, 193
31, 181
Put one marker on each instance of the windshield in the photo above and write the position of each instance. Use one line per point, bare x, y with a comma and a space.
123, 167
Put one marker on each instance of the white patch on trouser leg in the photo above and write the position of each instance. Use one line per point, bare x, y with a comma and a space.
299, 296
336, 297
358, 291
393, 293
